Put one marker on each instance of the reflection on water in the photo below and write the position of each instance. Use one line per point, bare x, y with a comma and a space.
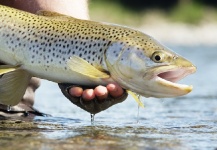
188, 122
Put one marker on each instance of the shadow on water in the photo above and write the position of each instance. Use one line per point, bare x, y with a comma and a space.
188, 122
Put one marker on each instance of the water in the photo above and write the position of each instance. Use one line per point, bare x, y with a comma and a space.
188, 122
8, 108
92, 119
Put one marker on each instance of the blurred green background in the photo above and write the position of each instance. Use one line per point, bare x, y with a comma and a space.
136, 12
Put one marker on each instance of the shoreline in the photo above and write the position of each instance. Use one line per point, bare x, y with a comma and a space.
182, 34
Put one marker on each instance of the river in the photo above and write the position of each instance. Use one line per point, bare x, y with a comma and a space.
187, 122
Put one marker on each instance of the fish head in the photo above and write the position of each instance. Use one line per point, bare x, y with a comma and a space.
143, 65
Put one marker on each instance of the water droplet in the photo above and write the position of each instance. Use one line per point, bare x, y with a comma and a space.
26, 113
8, 108
137, 118
92, 119
139, 97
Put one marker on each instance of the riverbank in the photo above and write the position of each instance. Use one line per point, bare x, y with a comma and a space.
182, 34
189, 24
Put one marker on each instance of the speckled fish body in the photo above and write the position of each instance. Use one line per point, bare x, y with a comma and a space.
64, 49
43, 44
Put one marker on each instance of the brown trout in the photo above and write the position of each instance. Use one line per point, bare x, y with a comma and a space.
64, 49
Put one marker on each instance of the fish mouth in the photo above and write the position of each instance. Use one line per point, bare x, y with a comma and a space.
176, 74
167, 77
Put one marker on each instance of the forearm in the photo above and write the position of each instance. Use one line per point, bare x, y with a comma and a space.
74, 8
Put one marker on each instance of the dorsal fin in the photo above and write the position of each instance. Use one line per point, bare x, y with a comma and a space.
54, 15
49, 13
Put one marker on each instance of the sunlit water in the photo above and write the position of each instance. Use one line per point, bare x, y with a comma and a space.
188, 122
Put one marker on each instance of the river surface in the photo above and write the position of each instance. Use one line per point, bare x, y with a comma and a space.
188, 122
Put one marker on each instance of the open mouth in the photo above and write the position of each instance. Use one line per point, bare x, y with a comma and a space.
172, 76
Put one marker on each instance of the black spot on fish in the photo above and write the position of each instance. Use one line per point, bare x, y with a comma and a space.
69, 51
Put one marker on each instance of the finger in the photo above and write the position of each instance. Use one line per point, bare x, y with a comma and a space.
115, 90
76, 91
101, 92
88, 94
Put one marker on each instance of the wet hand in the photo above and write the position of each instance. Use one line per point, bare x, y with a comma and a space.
100, 92
94, 99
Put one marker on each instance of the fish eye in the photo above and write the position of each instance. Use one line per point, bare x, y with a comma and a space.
157, 57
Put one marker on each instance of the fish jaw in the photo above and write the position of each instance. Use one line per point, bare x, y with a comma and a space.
160, 82
165, 81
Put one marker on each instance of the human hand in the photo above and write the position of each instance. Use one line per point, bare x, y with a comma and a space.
96, 99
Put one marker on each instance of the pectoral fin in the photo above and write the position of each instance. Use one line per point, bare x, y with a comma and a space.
81, 66
13, 86
136, 98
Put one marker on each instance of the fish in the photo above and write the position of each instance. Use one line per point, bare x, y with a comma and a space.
64, 49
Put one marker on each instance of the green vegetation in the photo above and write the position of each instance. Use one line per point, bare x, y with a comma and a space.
107, 11
186, 11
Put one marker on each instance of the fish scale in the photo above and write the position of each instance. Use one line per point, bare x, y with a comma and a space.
68, 39
64, 49
41, 40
